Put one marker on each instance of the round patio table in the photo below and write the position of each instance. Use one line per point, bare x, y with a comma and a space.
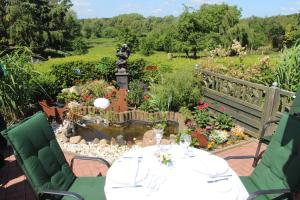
191, 174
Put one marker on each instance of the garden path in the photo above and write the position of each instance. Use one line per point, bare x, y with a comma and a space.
13, 184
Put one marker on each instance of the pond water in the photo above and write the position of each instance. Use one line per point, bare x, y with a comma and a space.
130, 130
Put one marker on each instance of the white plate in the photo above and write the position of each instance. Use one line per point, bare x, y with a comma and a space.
210, 165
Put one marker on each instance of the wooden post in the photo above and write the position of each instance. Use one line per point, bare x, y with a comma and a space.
268, 110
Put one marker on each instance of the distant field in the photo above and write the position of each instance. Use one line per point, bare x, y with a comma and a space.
107, 47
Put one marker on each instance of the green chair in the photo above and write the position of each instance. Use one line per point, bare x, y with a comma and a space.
43, 162
265, 139
277, 175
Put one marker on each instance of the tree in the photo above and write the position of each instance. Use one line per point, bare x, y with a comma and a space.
189, 29
127, 36
204, 28
276, 35
40, 24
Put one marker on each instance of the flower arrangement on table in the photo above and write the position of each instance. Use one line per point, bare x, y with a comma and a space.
164, 158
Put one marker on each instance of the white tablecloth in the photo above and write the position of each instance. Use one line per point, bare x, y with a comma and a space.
140, 175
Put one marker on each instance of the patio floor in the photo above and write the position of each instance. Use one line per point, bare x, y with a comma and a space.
13, 184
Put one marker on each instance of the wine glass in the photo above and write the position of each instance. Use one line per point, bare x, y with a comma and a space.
158, 136
185, 141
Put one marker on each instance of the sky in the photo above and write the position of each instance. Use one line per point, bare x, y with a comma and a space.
110, 8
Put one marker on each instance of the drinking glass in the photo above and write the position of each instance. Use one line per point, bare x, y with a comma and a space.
185, 141
158, 136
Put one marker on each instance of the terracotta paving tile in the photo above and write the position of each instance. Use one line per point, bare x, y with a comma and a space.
13, 184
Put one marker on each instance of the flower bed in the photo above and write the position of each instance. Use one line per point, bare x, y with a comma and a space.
211, 131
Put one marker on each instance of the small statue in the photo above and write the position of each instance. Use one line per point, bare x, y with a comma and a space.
123, 54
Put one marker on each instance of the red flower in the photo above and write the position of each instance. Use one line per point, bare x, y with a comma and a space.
202, 107
222, 109
146, 97
89, 98
83, 98
200, 102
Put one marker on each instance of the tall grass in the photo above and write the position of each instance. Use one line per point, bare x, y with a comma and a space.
287, 72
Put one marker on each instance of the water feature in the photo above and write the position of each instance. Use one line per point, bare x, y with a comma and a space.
129, 130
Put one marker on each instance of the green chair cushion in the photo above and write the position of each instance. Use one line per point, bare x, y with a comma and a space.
251, 187
279, 167
39, 154
90, 188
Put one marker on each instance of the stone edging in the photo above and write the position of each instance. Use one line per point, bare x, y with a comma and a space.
135, 115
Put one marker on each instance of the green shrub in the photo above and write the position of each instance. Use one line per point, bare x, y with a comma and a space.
287, 72
187, 114
95, 88
79, 46
107, 67
223, 121
174, 91
135, 94
66, 75
202, 118
45, 87
135, 69
16, 88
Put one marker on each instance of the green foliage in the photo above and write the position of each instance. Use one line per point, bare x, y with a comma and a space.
79, 46
66, 77
45, 87
135, 68
127, 36
146, 46
95, 88
194, 142
107, 68
40, 24
16, 88
135, 94
187, 113
65, 97
223, 121
174, 91
287, 72
202, 118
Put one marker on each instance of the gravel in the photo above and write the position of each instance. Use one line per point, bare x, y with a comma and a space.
108, 152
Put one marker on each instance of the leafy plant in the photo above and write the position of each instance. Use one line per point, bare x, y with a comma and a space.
95, 88
202, 117
174, 91
187, 114
65, 97
287, 72
223, 121
135, 94
79, 46
16, 88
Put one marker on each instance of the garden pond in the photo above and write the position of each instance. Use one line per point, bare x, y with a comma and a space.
130, 130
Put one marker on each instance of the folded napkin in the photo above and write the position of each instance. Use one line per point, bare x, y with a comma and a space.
125, 172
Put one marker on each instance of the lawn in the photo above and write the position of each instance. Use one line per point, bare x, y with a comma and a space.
104, 47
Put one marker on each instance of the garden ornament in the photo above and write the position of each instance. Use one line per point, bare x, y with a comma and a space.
102, 103
77, 71
123, 54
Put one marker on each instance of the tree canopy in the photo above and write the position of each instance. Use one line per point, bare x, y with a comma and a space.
38, 24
